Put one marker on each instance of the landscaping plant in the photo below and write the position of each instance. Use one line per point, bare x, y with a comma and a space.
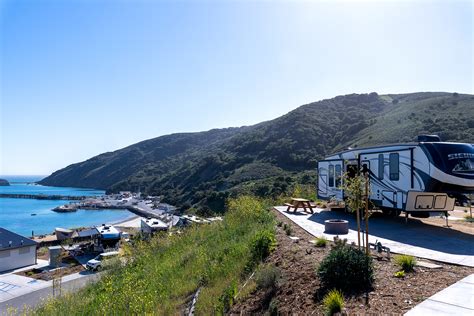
400, 274
333, 302
346, 268
273, 308
267, 277
263, 244
405, 262
355, 189
287, 228
321, 242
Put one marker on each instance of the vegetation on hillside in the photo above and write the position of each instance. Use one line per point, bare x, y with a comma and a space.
163, 274
201, 170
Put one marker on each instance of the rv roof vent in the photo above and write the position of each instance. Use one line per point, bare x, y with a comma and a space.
429, 138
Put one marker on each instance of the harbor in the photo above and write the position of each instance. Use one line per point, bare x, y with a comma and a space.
146, 206
26, 208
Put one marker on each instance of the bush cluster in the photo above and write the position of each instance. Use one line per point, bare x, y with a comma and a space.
347, 269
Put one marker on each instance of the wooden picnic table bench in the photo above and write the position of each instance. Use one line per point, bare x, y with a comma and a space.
297, 203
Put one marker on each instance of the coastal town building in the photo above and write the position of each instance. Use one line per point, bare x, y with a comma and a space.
16, 251
152, 225
63, 233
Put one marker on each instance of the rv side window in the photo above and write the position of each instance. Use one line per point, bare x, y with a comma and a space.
381, 166
331, 175
394, 166
338, 176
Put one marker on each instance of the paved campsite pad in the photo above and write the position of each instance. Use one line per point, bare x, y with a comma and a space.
414, 238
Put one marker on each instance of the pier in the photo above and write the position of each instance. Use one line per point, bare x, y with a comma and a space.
42, 196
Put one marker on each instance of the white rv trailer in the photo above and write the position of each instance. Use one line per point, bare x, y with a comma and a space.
417, 178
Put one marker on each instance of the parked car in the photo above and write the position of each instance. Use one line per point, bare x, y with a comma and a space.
98, 262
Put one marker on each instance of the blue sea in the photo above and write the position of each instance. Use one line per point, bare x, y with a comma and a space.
15, 214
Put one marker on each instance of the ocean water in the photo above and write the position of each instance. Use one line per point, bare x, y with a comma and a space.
15, 214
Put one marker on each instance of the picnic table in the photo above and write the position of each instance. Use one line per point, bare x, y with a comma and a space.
297, 203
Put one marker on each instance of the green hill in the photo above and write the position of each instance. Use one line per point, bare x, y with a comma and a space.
202, 169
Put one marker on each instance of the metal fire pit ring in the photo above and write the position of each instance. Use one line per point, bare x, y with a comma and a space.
336, 226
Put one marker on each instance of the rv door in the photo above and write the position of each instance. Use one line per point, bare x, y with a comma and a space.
323, 180
330, 179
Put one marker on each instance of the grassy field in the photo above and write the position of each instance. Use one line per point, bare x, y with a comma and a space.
164, 274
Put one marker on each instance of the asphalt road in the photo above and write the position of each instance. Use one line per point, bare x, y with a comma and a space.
34, 299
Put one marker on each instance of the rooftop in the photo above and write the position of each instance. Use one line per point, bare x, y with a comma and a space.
11, 240
155, 223
107, 230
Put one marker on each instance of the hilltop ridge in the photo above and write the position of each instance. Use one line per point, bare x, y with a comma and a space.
202, 169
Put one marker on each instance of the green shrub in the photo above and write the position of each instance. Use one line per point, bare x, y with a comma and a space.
333, 302
400, 274
263, 244
405, 262
267, 277
287, 228
273, 308
346, 268
321, 242
227, 298
469, 218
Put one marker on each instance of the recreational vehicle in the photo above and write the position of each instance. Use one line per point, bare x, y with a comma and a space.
417, 178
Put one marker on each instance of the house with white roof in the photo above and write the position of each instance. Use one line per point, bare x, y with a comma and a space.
151, 225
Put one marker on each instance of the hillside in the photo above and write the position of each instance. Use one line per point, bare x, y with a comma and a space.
201, 170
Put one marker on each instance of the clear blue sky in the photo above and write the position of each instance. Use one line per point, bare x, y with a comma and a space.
79, 78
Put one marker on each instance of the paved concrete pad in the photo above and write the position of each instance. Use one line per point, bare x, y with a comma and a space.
34, 297
12, 285
414, 238
454, 300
